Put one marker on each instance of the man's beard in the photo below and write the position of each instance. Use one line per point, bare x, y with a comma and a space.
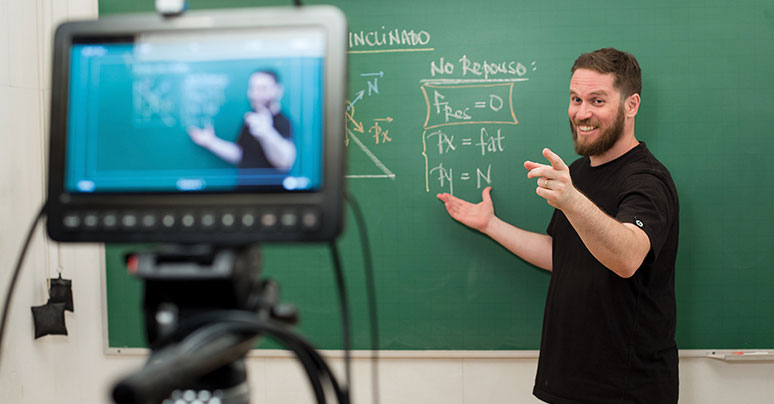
606, 140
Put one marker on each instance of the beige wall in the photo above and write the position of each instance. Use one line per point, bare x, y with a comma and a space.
74, 369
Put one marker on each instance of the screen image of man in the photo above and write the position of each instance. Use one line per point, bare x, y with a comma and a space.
265, 140
610, 316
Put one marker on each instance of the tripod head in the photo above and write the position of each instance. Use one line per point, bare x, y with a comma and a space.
197, 303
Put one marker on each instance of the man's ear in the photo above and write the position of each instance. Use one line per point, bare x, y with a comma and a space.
632, 105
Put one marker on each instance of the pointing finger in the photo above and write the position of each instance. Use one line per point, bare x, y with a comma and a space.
541, 171
530, 165
556, 161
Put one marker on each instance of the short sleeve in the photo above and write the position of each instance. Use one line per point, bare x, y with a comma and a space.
646, 201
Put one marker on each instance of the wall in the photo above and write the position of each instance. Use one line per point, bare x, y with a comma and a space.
75, 369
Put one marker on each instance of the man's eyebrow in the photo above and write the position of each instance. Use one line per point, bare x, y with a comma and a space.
593, 93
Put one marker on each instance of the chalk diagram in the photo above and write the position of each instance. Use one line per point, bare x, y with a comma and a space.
159, 102
154, 102
203, 95
376, 130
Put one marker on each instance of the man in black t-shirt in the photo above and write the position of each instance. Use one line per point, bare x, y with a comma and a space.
265, 139
609, 321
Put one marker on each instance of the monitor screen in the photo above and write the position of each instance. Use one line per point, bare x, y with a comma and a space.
206, 116
174, 112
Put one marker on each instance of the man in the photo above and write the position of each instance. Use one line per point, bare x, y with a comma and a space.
265, 139
609, 321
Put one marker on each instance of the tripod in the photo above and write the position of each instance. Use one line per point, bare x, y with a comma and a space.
205, 307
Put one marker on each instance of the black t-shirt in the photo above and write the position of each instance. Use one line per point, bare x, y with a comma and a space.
607, 339
253, 155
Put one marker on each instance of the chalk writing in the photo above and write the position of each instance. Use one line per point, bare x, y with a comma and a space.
378, 129
446, 177
154, 102
487, 143
205, 94
468, 104
490, 143
445, 142
379, 132
482, 68
389, 40
463, 92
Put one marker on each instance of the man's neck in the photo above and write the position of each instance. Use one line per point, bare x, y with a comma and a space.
621, 147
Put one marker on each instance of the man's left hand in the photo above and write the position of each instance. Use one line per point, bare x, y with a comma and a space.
554, 182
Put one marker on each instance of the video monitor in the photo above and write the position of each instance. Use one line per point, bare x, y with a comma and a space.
215, 127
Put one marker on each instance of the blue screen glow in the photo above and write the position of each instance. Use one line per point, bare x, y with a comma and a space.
163, 113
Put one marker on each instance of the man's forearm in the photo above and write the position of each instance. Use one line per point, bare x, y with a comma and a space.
226, 150
534, 248
619, 247
280, 152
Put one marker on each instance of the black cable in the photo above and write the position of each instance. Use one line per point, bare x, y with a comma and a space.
240, 321
206, 334
197, 331
15, 277
237, 326
371, 292
346, 329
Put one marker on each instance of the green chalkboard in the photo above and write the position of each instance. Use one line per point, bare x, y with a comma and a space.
454, 95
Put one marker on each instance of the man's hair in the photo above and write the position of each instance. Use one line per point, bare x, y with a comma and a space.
269, 72
628, 77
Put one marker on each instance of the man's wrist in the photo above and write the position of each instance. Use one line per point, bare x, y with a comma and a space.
576, 203
490, 226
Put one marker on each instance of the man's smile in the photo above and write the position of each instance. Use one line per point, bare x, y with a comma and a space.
586, 129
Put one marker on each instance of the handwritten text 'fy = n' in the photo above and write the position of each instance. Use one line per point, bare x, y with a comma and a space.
446, 177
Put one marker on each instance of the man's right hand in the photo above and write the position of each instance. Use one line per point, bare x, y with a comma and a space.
204, 136
260, 124
476, 216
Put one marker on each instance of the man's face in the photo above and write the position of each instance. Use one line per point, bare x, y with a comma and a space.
262, 90
596, 112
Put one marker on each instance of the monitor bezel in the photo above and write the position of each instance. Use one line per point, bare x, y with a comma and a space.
327, 200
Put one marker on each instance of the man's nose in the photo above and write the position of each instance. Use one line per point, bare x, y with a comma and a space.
583, 112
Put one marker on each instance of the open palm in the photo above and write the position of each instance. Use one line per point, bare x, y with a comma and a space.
475, 216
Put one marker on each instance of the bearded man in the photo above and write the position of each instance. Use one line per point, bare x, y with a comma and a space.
265, 140
609, 321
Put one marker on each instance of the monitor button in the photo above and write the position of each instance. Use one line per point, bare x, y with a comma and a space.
71, 221
188, 221
289, 220
228, 220
208, 220
149, 221
110, 221
248, 219
129, 220
310, 220
168, 221
269, 220
91, 221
